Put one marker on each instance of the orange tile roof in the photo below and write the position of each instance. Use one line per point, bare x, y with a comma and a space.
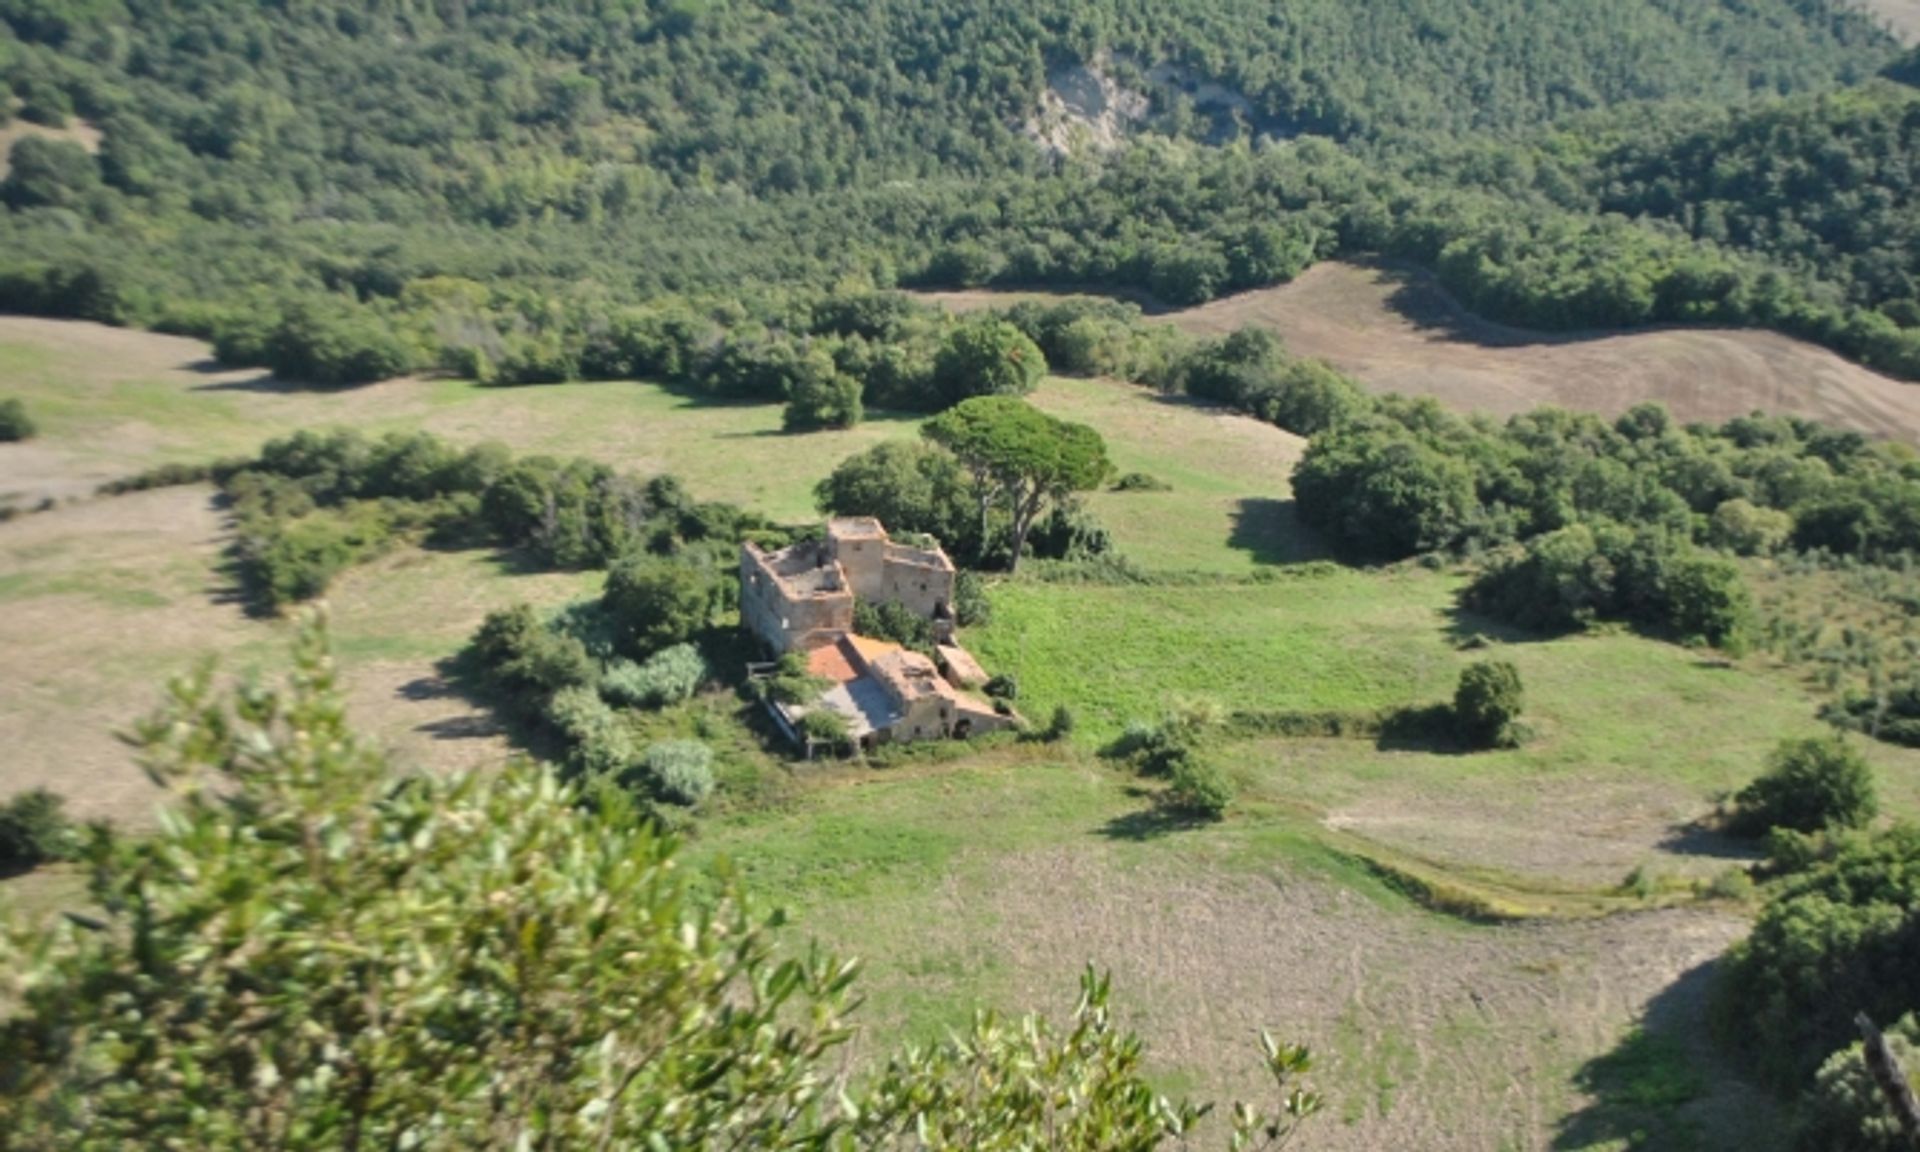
831, 662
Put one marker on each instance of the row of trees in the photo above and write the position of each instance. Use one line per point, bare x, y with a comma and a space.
315, 503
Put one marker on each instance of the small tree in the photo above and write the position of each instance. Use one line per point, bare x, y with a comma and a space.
657, 602
1810, 785
821, 396
987, 358
15, 424
1487, 702
1196, 788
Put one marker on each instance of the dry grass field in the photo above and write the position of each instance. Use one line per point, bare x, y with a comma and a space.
996, 881
1902, 17
1396, 330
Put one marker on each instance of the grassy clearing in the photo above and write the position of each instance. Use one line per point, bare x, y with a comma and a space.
113, 402
1231, 505
1323, 639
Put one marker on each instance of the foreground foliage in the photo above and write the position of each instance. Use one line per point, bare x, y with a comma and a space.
314, 952
1838, 938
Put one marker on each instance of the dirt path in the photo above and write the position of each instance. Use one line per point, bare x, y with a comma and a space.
1396, 330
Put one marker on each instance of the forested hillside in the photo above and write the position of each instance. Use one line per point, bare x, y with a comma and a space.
394, 186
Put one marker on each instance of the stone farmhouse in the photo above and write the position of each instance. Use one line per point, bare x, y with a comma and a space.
801, 599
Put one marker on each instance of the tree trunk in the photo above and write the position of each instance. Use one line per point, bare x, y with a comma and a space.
1024, 514
1891, 1078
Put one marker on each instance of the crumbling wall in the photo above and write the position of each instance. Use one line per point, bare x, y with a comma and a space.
783, 620
918, 581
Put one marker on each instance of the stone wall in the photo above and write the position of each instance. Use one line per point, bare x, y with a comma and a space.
921, 581
786, 619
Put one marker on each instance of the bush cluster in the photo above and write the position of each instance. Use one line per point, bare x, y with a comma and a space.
1812, 785
1835, 939
15, 423
35, 830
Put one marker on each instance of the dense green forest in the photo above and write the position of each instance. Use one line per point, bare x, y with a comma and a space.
412, 184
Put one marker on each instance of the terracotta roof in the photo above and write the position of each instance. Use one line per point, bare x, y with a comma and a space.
833, 663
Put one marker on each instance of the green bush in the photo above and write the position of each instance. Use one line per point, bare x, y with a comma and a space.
1486, 703
15, 424
681, 771
1845, 1110
524, 661
1197, 789
888, 620
1005, 686
1746, 529
656, 602
1810, 785
825, 726
1141, 482
34, 830
971, 608
1060, 726
821, 396
669, 676
599, 743
1837, 938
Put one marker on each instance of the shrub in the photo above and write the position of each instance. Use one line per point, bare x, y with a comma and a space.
1845, 1110
793, 684
987, 357
1384, 495
1141, 482
1005, 686
1197, 789
523, 660
892, 621
821, 396
657, 602
825, 726
971, 608
599, 742
15, 424
1061, 725
681, 771
1837, 938
34, 830
1810, 785
1487, 702
1746, 529
669, 676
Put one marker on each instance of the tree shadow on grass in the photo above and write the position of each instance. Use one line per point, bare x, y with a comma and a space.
458, 677
1270, 532
1149, 824
1664, 1086
1468, 629
1697, 839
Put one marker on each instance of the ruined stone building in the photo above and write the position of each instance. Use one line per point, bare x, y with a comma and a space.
801, 599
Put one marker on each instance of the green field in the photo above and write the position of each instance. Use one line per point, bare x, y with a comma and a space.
1321, 639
